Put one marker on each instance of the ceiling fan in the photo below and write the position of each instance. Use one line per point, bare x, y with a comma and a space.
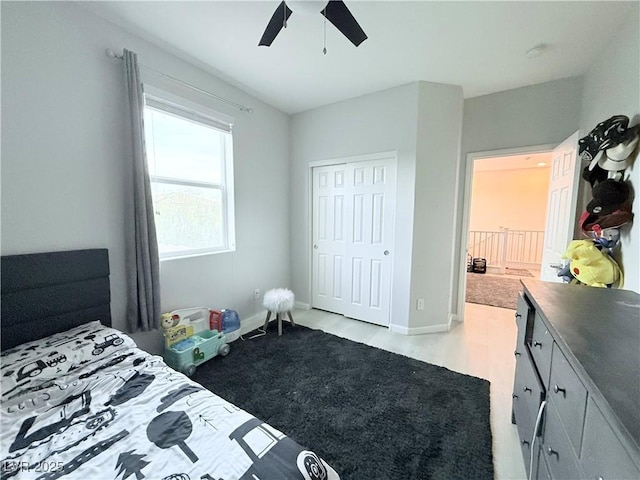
335, 11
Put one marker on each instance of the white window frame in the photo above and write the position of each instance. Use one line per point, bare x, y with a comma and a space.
166, 102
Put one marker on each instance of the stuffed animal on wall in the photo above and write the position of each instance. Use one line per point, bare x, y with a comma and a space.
590, 265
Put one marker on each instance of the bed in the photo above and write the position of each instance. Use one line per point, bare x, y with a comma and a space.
80, 400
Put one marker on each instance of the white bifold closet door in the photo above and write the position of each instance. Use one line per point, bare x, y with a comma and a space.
353, 208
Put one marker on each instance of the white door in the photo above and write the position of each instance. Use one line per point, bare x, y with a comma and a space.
561, 206
328, 237
353, 207
370, 208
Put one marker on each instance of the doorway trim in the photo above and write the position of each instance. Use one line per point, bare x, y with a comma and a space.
471, 157
322, 163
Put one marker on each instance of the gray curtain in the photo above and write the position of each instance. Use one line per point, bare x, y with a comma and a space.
143, 263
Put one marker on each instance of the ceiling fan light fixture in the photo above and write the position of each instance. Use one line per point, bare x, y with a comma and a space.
335, 11
307, 7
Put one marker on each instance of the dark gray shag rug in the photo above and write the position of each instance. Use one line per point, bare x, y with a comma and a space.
496, 291
369, 413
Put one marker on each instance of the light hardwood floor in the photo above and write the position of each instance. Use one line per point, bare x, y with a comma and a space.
481, 346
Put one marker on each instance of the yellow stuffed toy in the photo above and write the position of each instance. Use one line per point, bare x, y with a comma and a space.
592, 266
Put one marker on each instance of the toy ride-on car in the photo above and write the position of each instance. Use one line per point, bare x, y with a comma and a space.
187, 354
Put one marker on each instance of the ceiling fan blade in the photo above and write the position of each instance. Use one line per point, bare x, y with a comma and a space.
338, 14
276, 23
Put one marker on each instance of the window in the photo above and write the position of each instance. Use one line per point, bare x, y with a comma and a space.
190, 158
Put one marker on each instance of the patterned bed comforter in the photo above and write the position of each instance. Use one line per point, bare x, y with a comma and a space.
88, 404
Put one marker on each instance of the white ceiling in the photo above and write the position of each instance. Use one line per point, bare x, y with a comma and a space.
478, 45
513, 162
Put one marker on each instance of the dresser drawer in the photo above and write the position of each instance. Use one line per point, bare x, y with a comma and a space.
603, 455
525, 423
527, 396
556, 448
541, 348
523, 312
525, 446
543, 469
568, 395
527, 390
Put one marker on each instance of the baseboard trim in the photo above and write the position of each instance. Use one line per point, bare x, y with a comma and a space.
257, 320
253, 322
418, 330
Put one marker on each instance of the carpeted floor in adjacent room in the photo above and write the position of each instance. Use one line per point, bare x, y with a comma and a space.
494, 290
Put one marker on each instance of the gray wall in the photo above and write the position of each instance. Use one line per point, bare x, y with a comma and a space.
549, 112
391, 120
438, 149
64, 143
537, 115
612, 87
381, 122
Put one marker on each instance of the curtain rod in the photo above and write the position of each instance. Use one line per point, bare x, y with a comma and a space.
110, 53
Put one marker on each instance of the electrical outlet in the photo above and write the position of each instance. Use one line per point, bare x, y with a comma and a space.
256, 294
420, 304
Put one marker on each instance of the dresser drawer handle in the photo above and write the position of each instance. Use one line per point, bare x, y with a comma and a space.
527, 389
517, 353
518, 315
537, 344
551, 451
557, 389
514, 396
524, 442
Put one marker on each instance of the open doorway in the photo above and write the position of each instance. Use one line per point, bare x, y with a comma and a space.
507, 212
560, 212
506, 217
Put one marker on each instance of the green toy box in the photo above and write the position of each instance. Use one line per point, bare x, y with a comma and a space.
185, 355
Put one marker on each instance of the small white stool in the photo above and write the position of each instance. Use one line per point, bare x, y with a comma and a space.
279, 301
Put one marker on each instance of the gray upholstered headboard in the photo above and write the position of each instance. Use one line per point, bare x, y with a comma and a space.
46, 293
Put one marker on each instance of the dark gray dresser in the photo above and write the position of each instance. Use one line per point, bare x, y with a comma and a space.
578, 355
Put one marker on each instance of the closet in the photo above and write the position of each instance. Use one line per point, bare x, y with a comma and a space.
353, 205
